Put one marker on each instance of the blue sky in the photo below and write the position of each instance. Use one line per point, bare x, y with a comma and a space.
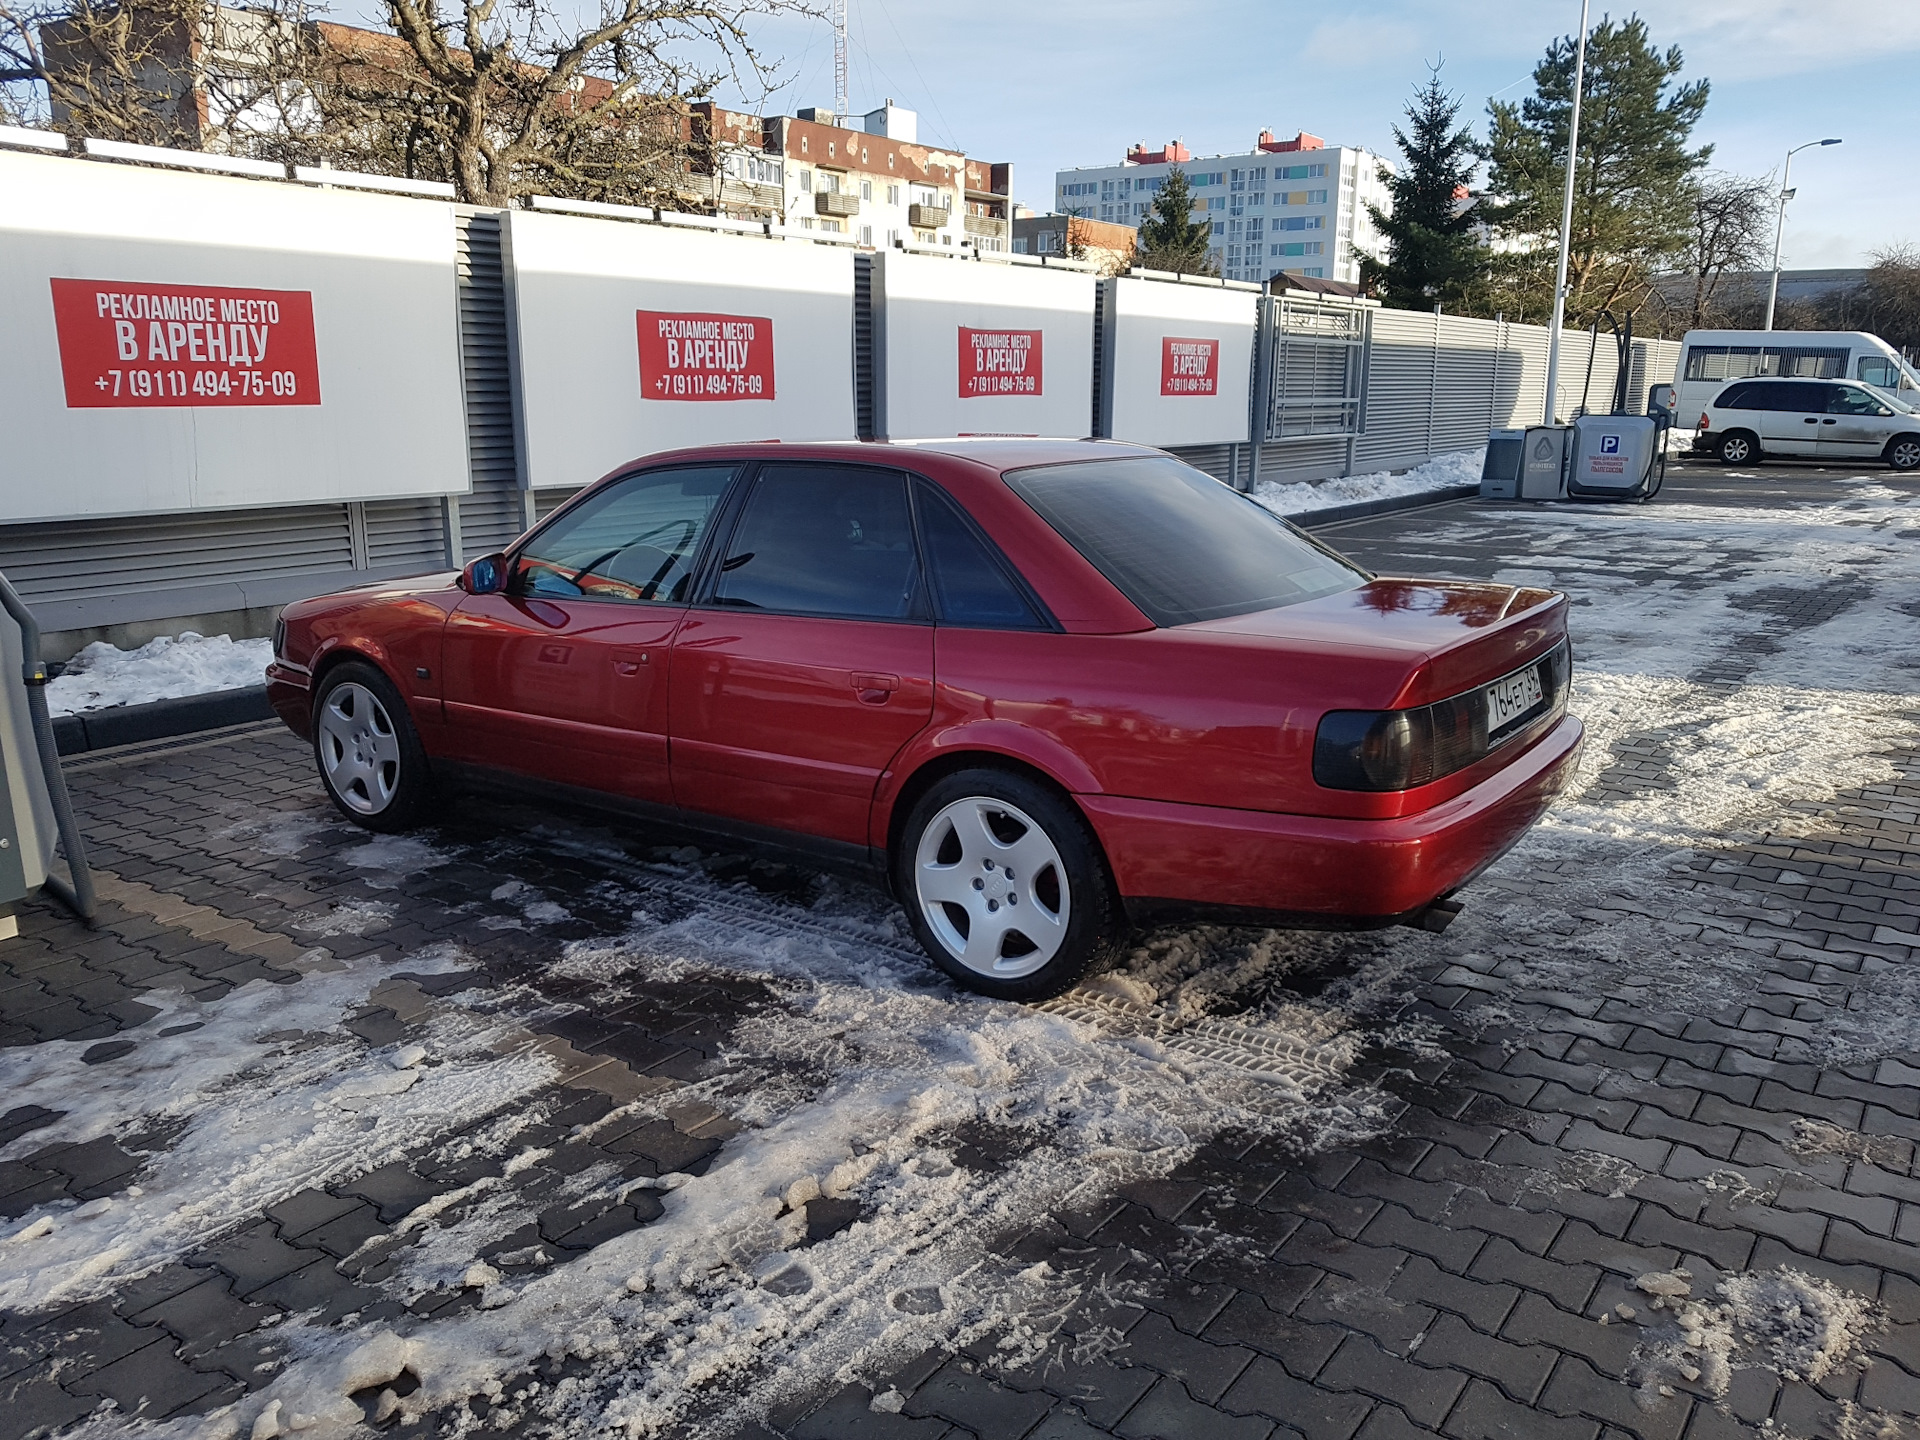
1074, 82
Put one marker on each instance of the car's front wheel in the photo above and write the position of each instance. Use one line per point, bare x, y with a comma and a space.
1904, 452
1739, 448
1006, 887
370, 756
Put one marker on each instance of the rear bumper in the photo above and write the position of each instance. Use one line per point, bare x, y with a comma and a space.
1242, 866
292, 699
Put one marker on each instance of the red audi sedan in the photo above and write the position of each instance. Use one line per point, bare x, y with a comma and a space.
1046, 690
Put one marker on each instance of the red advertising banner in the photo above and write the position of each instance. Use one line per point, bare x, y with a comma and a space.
1189, 367
999, 362
131, 344
705, 357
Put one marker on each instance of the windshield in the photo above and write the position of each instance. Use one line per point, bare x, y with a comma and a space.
1904, 404
1176, 542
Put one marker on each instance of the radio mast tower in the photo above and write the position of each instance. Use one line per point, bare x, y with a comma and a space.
840, 59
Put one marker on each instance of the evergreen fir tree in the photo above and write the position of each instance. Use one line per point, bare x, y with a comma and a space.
1170, 238
1433, 256
1635, 180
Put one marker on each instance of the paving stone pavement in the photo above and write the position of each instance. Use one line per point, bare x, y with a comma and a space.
1459, 1273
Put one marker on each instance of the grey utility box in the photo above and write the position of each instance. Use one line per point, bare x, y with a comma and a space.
1500, 475
1543, 474
1613, 457
27, 831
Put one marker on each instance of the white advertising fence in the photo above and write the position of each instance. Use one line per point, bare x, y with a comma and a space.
187, 343
1176, 362
328, 387
979, 349
640, 338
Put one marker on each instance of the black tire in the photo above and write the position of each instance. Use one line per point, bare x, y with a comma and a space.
1903, 452
369, 755
1739, 447
1071, 899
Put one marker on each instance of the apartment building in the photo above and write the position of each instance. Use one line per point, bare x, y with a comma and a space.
867, 178
1286, 207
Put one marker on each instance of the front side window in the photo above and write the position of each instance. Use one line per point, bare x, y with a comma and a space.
1849, 400
823, 540
1176, 542
635, 541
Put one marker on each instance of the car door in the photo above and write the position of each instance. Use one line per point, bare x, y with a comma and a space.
564, 674
1790, 425
809, 662
1857, 424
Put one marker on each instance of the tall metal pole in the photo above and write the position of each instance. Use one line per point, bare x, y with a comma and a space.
840, 60
1566, 218
1779, 225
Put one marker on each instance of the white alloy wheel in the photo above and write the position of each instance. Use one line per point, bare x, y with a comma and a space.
359, 749
1905, 454
992, 887
1736, 450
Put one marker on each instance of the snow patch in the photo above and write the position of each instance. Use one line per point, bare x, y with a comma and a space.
1458, 467
103, 675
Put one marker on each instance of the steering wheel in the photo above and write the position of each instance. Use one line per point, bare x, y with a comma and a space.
688, 529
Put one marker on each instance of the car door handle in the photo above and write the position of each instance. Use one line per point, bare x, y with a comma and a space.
630, 662
874, 688
1812, 420
1829, 422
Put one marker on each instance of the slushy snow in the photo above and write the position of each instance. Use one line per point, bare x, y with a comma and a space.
102, 675
1303, 498
860, 1074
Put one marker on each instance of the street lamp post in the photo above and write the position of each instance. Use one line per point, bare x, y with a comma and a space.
1780, 222
1566, 219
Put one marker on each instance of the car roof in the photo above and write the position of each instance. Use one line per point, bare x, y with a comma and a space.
993, 452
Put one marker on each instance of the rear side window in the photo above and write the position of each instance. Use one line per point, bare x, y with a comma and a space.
1738, 397
1176, 542
823, 540
971, 587
1799, 399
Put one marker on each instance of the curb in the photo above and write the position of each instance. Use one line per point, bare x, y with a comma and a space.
1360, 510
86, 730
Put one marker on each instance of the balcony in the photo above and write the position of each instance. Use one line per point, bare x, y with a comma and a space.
927, 217
987, 225
831, 202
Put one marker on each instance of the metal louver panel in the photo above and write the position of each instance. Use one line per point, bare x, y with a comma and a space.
548, 501
407, 533
1216, 460
863, 346
493, 513
143, 558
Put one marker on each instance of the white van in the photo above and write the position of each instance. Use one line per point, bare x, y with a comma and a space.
1712, 359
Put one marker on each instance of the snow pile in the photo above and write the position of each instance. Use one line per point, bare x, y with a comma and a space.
102, 675
1798, 1326
1457, 467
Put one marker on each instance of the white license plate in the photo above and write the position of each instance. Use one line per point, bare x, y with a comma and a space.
1509, 699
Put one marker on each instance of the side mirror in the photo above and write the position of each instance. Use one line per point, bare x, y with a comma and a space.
485, 576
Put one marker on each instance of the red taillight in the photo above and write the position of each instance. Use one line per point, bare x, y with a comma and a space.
1703, 420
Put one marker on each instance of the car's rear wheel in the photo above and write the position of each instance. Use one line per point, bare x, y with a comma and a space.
370, 756
1904, 452
1737, 447
1006, 887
